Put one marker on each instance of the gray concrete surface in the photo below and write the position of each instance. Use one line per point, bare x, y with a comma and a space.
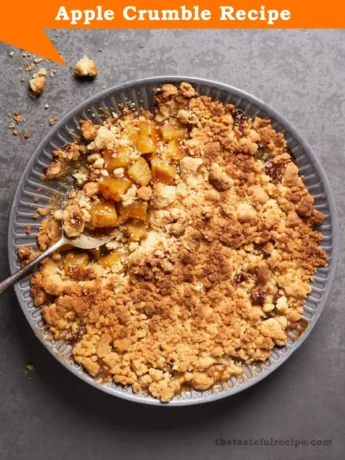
54, 416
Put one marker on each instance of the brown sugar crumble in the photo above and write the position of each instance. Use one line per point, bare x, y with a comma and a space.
212, 254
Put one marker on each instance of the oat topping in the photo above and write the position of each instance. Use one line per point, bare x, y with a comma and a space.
213, 252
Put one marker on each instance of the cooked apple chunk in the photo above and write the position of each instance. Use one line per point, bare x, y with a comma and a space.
136, 210
136, 230
170, 131
113, 160
132, 134
109, 260
140, 172
174, 150
113, 188
103, 214
147, 139
162, 171
74, 264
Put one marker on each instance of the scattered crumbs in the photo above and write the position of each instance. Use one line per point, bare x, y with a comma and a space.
36, 198
93, 115
35, 215
52, 73
12, 126
27, 134
9, 114
22, 79
53, 120
11, 53
28, 66
41, 124
28, 229
43, 211
15, 132
24, 55
28, 369
37, 60
100, 50
17, 117
46, 106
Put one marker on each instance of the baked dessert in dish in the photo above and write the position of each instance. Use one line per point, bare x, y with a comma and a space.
214, 245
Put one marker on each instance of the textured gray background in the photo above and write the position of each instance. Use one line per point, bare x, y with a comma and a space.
55, 416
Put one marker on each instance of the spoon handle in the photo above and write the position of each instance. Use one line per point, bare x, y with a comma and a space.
28, 268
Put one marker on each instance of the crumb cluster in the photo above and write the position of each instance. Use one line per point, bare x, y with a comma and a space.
85, 67
37, 83
214, 245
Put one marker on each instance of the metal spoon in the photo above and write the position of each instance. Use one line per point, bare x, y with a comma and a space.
83, 241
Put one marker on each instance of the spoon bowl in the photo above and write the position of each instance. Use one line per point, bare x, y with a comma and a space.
86, 240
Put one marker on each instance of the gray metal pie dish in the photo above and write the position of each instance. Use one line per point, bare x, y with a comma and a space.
32, 193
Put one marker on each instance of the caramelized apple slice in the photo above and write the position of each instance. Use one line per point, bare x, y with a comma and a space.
113, 160
162, 171
74, 264
136, 230
140, 172
174, 151
104, 214
170, 132
147, 139
114, 188
132, 134
136, 210
109, 260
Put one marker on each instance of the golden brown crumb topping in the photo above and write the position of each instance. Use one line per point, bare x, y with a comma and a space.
37, 83
85, 67
213, 251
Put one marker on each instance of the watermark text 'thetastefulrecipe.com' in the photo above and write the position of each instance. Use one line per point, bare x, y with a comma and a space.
289, 442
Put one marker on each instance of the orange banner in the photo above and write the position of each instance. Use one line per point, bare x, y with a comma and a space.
22, 23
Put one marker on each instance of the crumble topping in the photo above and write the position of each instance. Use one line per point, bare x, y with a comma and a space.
85, 67
214, 245
37, 83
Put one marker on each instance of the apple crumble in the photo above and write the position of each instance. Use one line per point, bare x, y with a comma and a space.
213, 252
